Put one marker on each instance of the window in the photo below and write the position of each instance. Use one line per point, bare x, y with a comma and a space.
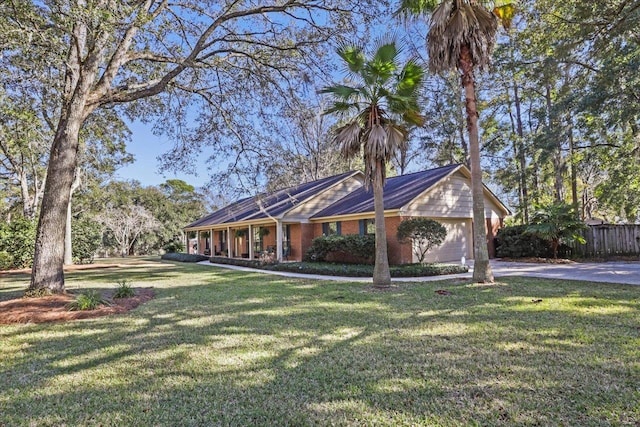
222, 236
367, 226
331, 228
286, 241
257, 239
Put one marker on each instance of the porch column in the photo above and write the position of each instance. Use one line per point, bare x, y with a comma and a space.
186, 240
250, 241
279, 240
229, 243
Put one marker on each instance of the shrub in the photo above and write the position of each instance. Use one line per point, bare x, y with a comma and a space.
424, 233
124, 290
360, 270
86, 237
6, 260
17, 238
174, 246
242, 262
516, 242
89, 300
182, 257
361, 247
557, 223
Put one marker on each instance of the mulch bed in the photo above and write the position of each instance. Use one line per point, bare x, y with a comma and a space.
53, 308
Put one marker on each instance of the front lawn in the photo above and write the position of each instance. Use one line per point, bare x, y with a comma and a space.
220, 347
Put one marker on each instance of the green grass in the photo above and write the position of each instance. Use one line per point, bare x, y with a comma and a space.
219, 347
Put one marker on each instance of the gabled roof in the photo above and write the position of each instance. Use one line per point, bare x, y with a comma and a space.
268, 205
398, 191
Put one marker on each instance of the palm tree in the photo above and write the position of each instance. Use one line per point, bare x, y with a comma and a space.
378, 107
461, 37
557, 223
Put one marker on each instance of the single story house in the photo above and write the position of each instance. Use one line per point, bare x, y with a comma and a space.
286, 221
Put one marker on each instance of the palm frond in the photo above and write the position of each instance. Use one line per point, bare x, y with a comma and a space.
408, 9
396, 136
340, 91
410, 79
348, 138
455, 24
413, 116
341, 107
353, 56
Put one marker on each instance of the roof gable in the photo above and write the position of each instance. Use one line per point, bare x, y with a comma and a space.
268, 205
398, 191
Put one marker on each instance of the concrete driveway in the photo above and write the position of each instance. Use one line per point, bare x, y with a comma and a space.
606, 272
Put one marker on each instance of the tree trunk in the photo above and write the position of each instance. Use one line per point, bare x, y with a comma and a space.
553, 132
521, 156
481, 268
68, 250
68, 239
574, 173
381, 274
48, 260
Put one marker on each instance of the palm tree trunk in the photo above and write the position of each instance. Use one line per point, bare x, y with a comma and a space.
481, 268
381, 274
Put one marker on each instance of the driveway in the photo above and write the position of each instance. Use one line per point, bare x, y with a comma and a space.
606, 272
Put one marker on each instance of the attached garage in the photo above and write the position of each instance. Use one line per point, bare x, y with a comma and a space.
456, 245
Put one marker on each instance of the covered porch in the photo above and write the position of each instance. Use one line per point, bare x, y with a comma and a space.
248, 241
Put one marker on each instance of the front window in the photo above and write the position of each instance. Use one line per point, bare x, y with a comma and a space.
331, 228
367, 226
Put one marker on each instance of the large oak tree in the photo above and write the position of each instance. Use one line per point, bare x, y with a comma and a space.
109, 53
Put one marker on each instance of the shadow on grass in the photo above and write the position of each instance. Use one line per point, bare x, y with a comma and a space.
229, 348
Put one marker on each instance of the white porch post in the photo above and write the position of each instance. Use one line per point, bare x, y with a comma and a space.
250, 241
279, 240
229, 243
186, 241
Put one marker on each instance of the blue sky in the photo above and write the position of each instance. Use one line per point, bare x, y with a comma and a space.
146, 147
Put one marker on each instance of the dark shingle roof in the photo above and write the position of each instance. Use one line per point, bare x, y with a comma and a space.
398, 191
274, 204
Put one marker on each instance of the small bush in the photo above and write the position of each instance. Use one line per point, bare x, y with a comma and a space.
17, 238
124, 290
182, 257
173, 247
89, 300
6, 260
423, 233
361, 247
86, 237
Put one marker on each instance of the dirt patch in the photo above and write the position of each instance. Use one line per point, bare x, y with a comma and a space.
53, 308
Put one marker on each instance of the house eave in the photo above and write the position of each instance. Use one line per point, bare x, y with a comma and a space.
354, 216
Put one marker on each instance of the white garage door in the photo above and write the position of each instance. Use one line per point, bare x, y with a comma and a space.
456, 244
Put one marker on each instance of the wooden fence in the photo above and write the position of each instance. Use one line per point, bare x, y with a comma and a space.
609, 240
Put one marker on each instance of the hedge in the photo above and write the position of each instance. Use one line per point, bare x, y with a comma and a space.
347, 270
182, 257
515, 242
362, 248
